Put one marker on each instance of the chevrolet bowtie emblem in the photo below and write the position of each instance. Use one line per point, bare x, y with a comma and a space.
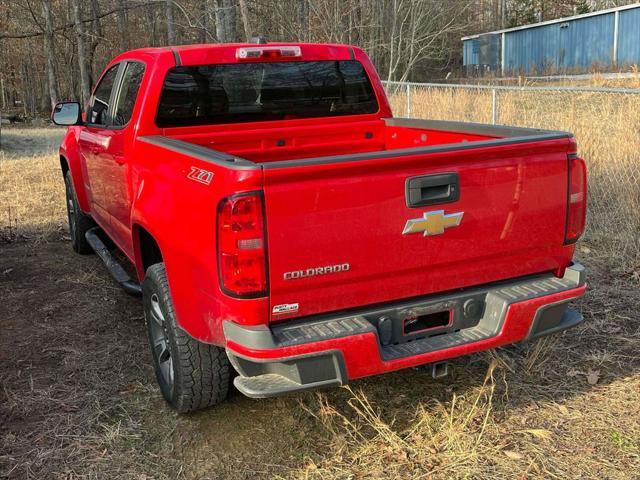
432, 223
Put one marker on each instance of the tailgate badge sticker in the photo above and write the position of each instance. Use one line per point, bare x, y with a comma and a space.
312, 272
200, 175
432, 223
285, 308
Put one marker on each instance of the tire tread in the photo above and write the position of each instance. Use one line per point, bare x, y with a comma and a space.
84, 222
201, 371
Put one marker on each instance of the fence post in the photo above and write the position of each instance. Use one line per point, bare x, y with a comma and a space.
4, 100
408, 92
493, 106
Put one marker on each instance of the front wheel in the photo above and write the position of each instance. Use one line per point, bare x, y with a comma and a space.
191, 374
79, 222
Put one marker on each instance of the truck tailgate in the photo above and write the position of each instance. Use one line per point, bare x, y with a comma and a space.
335, 229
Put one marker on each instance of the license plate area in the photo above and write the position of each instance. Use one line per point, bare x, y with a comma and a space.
426, 322
424, 319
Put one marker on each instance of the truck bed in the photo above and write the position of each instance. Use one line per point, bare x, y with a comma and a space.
345, 141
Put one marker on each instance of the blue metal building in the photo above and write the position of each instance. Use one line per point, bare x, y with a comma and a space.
604, 39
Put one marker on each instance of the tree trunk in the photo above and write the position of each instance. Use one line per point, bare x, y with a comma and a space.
95, 38
303, 20
123, 28
204, 31
44, 103
171, 24
85, 82
230, 18
244, 13
29, 94
2, 95
49, 48
221, 22
152, 16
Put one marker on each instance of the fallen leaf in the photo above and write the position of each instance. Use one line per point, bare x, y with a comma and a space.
7, 271
584, 249
538, 433
402, 456
572, 372
513, 455
593, 376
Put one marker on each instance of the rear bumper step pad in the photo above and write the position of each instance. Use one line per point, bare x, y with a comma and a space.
259, 379
259, 376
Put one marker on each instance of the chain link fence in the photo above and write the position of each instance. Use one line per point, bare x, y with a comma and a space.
605, 122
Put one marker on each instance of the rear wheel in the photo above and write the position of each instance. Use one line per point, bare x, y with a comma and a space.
79, 222
191, 374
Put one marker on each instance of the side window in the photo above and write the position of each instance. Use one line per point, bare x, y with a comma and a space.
99, 107
128, 92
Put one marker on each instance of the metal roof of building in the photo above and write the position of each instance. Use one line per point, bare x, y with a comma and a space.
557, 20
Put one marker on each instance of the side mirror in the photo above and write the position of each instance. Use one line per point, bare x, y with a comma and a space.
67, 114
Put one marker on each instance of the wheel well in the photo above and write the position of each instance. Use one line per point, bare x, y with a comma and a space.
149, 250
64, 165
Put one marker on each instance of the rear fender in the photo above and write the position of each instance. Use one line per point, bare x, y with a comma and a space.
180, 214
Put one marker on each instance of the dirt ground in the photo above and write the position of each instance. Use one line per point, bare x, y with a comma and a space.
78, 398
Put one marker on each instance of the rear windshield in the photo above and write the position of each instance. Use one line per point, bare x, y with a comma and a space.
253, 92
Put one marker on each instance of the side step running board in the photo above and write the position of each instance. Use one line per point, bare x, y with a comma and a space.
115, 269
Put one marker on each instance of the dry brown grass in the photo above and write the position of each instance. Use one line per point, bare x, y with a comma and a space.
469, 437
563, 407
606, 126
598, 80
31, 187
631, 79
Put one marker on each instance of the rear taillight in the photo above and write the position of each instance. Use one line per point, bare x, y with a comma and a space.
577, 200
242, 259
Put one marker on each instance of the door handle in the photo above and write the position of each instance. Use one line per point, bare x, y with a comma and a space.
432, 189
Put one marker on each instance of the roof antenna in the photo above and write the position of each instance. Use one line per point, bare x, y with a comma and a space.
259, 40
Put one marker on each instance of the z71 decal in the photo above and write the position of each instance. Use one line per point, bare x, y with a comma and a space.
200, 175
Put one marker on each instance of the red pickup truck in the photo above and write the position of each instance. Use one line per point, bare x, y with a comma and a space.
282, 222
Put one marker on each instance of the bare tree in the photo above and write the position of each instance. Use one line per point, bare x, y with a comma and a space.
244, 13
204, 20
171, 23
85, 82
49, 47
226, 30
420, 30
96, 36
231, 20
303, 19
406, 39
150, 19
221, 33
123, 28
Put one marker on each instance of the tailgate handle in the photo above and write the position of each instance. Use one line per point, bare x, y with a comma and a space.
432, 189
